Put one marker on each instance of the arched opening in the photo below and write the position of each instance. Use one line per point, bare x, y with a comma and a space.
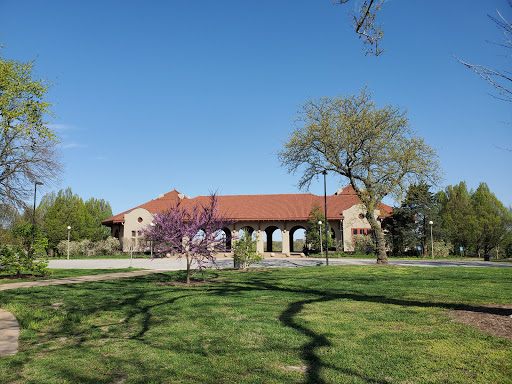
226, 234
272, 240
297, 239
199, 236
248, 229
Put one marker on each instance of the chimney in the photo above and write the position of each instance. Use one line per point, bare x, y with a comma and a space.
160, 196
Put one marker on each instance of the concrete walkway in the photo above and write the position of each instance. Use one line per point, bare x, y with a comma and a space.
9, 328
75, 280
9, 333
173, 264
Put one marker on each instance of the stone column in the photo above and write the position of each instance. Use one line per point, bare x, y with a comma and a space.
234, 237
259, 241
286, 242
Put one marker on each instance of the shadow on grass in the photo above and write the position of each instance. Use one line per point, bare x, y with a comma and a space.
138, 303
309, 350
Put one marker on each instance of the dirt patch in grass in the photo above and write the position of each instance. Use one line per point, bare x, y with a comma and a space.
495, 319
303, 369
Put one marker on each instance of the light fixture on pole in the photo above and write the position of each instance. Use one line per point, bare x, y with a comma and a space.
153, 227
320, 233
431, 237
69, 229
326, 222
35, 192
131, 254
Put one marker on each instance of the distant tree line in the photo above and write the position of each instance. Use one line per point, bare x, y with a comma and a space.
54, 214
467, 222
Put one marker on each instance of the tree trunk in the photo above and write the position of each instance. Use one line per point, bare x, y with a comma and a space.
379, 238
188, 269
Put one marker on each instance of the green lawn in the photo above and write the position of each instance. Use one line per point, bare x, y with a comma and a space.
351, 324
61, 273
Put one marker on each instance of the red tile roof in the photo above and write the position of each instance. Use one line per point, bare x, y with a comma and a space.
262, 207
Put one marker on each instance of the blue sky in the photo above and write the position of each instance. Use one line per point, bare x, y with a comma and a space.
198, 95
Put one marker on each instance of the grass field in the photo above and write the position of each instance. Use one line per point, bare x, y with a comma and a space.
348, 324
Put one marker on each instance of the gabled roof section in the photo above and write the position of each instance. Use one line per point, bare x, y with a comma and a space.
261, 207
348, 190
153, 206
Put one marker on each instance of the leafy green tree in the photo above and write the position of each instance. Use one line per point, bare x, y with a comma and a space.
409, 226
30, 257
507, 247
97, 211
28, 150
374, 148
421, 204
45, 204
400, 230
32, 240
493, 219
58, 211
458, 216
67, 210
313, 230
508, 241
15, 262
244, 251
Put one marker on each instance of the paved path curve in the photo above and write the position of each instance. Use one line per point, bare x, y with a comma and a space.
9, 327
76, 279
9, 333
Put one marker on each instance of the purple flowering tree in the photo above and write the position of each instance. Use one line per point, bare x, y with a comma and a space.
193, 231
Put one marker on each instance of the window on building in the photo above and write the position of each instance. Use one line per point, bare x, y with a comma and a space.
362, 231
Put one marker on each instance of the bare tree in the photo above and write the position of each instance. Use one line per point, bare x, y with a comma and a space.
24, 161
364, 25
28, 152
501, 80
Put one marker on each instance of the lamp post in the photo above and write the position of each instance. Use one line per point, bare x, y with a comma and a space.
131, 253
34, 215
153, 227
326, 222
69, 229
431, 237
35, 192
320, 233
